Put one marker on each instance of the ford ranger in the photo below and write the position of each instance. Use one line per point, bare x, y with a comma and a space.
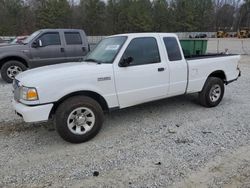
43, 47
122, 71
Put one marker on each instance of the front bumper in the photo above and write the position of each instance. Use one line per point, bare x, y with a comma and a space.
32, 113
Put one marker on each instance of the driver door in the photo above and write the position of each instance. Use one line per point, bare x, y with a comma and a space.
49, 50
146, 78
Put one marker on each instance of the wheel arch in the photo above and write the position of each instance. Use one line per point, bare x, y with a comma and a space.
96, 96
16, 58
219, 74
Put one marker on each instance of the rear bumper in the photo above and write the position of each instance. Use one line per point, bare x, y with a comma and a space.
32, 113
230, 81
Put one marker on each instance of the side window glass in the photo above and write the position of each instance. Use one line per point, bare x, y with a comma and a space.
73, 38
143, 51
173, 49
49, 39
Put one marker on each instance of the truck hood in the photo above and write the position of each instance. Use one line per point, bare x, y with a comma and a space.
4, 44
65, 71
12, 47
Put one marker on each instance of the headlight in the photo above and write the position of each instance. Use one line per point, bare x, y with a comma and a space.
28, 93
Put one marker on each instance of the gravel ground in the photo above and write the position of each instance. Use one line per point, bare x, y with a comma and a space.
168, 143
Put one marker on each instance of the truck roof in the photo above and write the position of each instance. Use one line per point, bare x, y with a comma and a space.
51, 30
146, 34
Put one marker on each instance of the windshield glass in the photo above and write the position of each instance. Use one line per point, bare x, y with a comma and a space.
14, 41
106, 50
33, 35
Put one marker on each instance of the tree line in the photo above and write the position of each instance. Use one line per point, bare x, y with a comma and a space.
98, 17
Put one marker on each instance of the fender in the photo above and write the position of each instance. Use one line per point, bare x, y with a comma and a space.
110, 98
14, 56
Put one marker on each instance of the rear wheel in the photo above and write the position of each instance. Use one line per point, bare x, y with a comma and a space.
78, 119
10, 69
212, 92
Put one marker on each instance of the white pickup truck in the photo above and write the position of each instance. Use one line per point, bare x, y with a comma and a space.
122, 71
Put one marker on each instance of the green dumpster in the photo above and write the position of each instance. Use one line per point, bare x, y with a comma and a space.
193, 47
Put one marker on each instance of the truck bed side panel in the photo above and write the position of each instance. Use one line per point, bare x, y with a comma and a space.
200, 69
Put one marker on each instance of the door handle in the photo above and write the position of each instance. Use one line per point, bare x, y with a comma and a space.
161, 69
62, 50
83, 49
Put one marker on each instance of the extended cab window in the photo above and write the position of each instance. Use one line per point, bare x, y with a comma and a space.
73, 38
48, 39
173, 49
143, 51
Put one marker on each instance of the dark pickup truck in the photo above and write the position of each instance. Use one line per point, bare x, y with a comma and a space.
43, 47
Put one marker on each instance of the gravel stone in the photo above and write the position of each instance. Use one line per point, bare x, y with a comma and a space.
196, 146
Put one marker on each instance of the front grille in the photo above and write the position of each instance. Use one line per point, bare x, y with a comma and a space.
16, 90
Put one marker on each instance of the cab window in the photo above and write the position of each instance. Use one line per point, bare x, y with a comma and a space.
49, 39
173, 49
73, 38
143, 51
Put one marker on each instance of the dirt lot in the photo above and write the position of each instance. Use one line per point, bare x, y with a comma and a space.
168, 143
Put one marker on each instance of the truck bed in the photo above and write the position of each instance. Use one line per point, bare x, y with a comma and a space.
195, 57
201, 66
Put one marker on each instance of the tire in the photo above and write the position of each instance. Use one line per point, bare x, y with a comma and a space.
71, 123
212, 92
10, 69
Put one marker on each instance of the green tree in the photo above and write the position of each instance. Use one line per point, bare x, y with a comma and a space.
225, 17
203, 11
162, 18
140, 16
92, 13
53, 14
184, 15
111, 18
97, 17
123, 24
244, 15
11, 13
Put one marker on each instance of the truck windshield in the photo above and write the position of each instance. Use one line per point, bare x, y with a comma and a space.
106, 50
33, 35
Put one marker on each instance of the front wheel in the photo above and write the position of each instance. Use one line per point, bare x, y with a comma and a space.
212, 92
78, 119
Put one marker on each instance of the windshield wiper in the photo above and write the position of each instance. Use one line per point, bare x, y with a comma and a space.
93, 60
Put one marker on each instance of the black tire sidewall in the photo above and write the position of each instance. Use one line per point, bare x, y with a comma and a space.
210, 83
64, 111
8, 64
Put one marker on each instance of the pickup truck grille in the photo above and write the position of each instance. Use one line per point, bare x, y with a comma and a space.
16, 90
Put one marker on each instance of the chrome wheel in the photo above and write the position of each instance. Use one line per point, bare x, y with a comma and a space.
81, 120
215, 93
14, 70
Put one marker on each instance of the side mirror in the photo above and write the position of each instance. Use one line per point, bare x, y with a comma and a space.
34, 44
126, 62
37, 43
40, 44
